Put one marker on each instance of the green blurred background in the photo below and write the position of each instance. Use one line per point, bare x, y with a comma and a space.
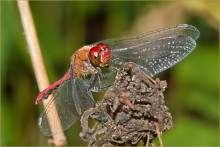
63, 27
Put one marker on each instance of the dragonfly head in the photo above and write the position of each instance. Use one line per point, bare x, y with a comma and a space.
100, 55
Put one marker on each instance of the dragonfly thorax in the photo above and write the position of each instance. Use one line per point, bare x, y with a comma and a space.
81, 63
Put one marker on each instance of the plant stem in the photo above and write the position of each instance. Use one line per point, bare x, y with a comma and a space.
38, 64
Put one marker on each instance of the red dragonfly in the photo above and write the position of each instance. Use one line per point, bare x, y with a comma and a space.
93, 68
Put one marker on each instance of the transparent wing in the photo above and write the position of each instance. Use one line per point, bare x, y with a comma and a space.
65, 108
83, 98
71, 99
155, 51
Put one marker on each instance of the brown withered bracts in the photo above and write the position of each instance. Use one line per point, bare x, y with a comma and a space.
133, 110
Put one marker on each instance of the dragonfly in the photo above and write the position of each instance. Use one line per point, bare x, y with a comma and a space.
93, 68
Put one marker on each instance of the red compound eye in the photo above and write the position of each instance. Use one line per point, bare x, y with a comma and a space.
94, 52
105, 54
100, 55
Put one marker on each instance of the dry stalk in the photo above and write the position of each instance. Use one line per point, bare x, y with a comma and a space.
37, 61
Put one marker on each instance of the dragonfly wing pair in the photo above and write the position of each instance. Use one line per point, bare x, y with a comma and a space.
155, 51
71, 99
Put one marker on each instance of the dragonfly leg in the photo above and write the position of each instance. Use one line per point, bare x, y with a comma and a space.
99, 74
92, 86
